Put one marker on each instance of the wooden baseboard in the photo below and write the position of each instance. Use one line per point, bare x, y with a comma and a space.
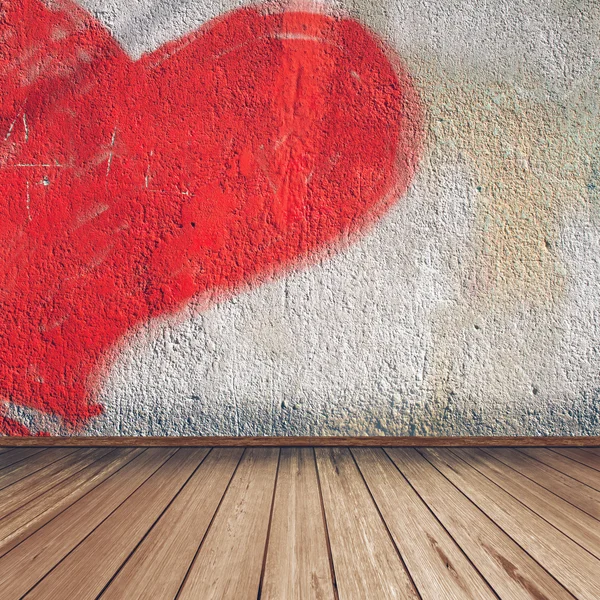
301, 441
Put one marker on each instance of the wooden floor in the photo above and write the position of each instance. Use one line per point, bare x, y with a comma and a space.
299, 523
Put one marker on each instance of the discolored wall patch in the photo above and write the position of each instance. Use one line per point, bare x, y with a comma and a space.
464, 303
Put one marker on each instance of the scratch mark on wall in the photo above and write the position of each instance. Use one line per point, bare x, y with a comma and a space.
10, 129
177, 215
28, 200
111, 152
35, 166
25, 128
147, 176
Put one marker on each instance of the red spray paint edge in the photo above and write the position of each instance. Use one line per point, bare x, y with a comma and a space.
255, 145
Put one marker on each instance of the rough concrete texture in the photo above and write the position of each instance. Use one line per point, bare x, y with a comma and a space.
470, 308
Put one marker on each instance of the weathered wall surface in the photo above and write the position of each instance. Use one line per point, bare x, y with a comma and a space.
458, 297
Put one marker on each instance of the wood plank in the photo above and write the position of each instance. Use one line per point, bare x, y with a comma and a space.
229, 562
36, 513
511, 572
569, 489
574, 523
594, 451
86, 571
25, 490
316, 441
43, 550
436, 563
572, 566
585, 458
565, 465
31, 465
297, 566
158, 566
366, 562
16, 455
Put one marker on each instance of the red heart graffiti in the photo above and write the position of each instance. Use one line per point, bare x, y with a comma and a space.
216, 162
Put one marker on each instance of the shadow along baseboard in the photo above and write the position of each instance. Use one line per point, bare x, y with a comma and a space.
378, 441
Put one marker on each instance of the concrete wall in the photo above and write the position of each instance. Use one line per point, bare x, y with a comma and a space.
463, 299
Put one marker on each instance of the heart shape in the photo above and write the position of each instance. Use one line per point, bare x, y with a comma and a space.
244, 149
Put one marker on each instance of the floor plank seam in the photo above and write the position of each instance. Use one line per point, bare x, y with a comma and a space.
570, 476
42, 467
67, 507
570, 457
541, 516
327, 540
116, 573
19, 460
543, 486
442, 525
553, 456
543, 567
187, 573
264, 561
97, 525
64, 481
398, 551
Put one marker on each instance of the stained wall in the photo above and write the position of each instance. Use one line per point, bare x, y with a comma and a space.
395, 209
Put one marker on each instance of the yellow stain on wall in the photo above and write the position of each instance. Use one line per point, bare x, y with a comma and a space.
531, 157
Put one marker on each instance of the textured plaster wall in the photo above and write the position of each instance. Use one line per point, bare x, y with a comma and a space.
471, 308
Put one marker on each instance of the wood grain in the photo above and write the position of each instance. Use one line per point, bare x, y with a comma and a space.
572, 566
379, 441
574, 523
300, 524
365, 560
572, 468
437, 565
229, 562
41, 551
158, 566
21, 492
85, 572
511, 572
297, 565
585, 458
15, 455
29, 518
32, 464
569, 489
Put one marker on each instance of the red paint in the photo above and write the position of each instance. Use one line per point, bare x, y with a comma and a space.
221, 159
11, 427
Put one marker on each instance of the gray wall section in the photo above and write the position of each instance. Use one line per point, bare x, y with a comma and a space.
472, 308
